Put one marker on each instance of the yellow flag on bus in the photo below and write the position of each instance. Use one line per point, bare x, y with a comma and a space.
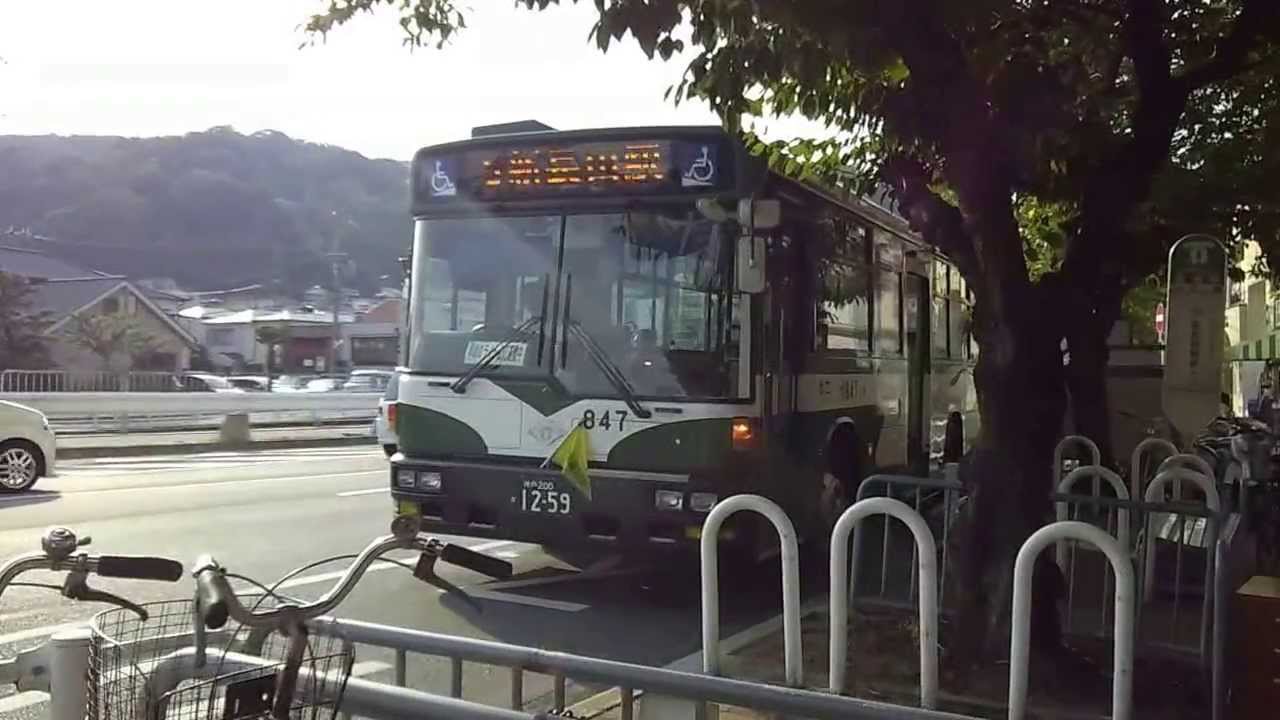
571, 456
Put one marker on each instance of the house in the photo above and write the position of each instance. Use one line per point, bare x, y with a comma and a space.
68, 292
307, 348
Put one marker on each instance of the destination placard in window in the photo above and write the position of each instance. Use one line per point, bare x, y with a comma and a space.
512, 354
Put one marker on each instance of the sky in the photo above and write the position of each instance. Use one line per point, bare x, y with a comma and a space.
165, 67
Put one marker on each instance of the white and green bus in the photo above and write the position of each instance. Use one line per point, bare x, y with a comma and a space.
715, 327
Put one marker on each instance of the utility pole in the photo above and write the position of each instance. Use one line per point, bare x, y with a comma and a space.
336, 262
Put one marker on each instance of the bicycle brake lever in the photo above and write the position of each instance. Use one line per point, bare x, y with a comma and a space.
77, 587
425, 571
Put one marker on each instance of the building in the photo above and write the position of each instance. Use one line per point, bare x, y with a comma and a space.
71, 294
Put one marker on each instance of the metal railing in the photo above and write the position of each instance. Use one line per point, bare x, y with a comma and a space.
1020, 641
43, 381
926, 554
1138, 464
952, 490
628, 677
1060, 455
710, 579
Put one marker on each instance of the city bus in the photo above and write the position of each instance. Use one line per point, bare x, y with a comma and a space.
715, 327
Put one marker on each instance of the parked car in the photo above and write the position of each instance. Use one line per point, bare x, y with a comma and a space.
205, 382
368, 381
249, 383
322, 384
290, 383
28, 447
384, 423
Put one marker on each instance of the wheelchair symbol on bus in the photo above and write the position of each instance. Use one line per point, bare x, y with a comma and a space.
701, 172
441, 185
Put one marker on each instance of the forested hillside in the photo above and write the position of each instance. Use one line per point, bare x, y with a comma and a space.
212, 209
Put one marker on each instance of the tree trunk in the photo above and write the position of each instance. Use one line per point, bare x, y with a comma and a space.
1021, 398
1086, 377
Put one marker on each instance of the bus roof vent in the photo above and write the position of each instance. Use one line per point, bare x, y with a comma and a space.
519, 126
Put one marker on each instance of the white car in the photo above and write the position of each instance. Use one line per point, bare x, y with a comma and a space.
27, 447
384, 425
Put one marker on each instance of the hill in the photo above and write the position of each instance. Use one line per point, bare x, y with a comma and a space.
210, 209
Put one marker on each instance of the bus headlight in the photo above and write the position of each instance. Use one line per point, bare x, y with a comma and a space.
702, 501
430, 481
406, 478
668, 499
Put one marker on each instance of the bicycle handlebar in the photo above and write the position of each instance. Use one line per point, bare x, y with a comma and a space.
59, 556
217, 601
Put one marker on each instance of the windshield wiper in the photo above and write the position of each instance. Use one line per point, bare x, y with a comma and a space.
611, 371
460, 385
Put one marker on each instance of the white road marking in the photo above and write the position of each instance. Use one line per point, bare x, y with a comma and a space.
22, 700
36, 632
370, 491
514, 599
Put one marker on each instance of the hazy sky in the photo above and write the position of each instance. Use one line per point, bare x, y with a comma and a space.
162, 67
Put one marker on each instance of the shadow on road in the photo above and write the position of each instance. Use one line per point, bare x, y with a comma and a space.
31, 497
651, 616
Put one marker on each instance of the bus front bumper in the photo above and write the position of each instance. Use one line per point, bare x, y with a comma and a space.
628, 511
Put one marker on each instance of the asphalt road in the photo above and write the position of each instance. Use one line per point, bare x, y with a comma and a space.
265, 513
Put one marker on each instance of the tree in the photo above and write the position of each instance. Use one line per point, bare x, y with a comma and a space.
271, 336
119, 341
1108, 114
22, 343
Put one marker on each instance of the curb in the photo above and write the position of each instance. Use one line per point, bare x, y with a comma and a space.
196, 448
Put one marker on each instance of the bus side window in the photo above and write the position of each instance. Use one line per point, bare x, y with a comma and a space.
938, 315
888, 312
844, 307
957, 315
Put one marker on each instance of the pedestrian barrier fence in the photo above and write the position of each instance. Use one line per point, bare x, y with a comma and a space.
926, 554
631, 679
790, 582
1019, 646
1060, 453
1138, 464
1094, 472
43, 381
1185, 460
952, 489
1115, 521
1202, 535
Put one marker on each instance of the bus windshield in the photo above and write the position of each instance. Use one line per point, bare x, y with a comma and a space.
649, 291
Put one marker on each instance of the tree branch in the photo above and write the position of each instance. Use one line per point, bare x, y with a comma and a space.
1259, 20
938, 222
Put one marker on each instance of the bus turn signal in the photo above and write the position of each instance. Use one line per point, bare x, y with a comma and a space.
743, 432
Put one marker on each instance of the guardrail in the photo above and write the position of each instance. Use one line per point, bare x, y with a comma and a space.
135, 411
39, 381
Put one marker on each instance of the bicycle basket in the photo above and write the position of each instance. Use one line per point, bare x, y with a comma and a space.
147, 668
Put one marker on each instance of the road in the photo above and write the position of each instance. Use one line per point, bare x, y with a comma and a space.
264, 513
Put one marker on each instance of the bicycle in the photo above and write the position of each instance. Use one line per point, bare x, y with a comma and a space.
48, 667
140, 669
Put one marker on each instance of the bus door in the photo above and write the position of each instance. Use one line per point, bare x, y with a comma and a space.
915, 293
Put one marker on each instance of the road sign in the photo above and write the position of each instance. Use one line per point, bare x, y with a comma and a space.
1160, 322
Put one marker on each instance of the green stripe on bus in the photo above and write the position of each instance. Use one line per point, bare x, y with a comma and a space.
427, 432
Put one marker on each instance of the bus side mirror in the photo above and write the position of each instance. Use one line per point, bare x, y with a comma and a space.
749, 268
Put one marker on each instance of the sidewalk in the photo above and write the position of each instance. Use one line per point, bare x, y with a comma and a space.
146, 443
